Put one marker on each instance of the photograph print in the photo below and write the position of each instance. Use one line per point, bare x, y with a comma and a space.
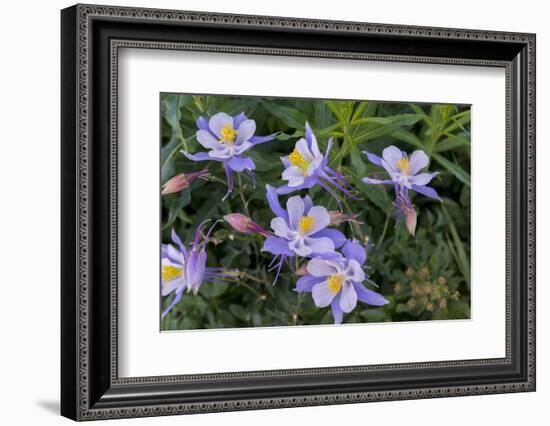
301, 212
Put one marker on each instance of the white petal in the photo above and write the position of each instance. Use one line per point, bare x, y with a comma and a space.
320, 245
315, 147
171, 286
295, 207
323, 268
348, 298
299, 246
354, 272
206, 139
175, 254
218, 121
280, 227
314, 165
322, 295
421, 179
223, 153
321, 219
390, 156
239, 149
418, 161
303, 149
292, 172
245, 131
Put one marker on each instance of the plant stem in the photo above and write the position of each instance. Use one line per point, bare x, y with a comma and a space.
251, 277
241, 193
381, 239
354, 226
248, 287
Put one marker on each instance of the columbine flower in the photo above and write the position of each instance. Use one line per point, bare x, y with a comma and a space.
185, 269
244, 224
228, 138
338, 281
306, 167
182, 181
300, 230
404, 173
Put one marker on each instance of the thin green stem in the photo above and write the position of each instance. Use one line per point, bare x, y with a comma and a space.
241, 193
354, 226
381, 239
248, 287
252, 277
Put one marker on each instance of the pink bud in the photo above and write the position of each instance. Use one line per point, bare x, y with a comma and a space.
336, 218
182, 181
410, 218
301, 271
244, 224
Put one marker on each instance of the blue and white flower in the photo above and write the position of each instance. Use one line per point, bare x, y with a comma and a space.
184, 269
227, 138
300, 230
405, 175
306, 167
337, 281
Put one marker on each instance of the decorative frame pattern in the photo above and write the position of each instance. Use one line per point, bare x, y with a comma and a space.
91, 388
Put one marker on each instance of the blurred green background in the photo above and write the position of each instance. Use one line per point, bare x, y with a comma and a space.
424, 277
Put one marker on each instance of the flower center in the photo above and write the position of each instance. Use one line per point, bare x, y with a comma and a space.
297, 160
306, 224
170, 273
335, 282
403, 166
228, 134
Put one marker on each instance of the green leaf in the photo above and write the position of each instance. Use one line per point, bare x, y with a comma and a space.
375, 193
289, 115
455, 169
425, 117
408, 137
261, 162
452, 141
393, 124
323, 115
356, 161
183, 198
239, 312
212, 290
336, 109
364, 109
284, 136
458, 249
459, 120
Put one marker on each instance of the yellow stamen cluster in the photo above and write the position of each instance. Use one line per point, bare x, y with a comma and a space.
297, 160
228, 134
403, 165
335, 282
306, 224
170, 273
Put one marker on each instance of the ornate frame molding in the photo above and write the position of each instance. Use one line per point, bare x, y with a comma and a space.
78, 24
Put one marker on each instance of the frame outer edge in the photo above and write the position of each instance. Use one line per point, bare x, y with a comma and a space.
78, 164
69, 190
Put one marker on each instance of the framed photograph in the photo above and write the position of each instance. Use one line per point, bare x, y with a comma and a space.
263, 212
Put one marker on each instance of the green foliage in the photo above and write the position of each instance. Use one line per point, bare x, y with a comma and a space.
424, 277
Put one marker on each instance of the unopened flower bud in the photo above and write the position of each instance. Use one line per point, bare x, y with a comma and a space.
337, 217
301, 271
244, 224
410, 218
182, 181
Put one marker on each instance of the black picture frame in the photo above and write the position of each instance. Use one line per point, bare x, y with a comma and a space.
90, 38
